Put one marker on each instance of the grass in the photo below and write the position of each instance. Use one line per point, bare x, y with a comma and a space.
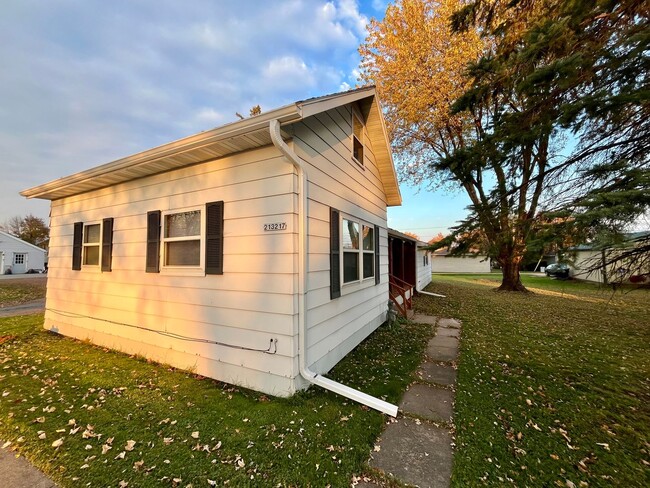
553, 386
187, 430
17, 291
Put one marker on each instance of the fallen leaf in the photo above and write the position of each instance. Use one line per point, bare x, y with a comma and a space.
57, 443
121, 455
106, 448
41, 434
195, 434
129, 445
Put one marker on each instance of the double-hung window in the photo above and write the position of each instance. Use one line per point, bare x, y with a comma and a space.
186, 241
354, 253
91, 244
182, 239
358, 249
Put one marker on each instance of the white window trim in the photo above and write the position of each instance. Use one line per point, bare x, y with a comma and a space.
182, 270
361, 282
16, 254
91, 267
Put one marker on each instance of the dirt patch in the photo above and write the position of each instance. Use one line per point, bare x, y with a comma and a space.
17, 291
38, 281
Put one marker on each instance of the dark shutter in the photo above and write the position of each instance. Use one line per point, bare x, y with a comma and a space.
335, 255
214, 238
107, 244
77, 240
377, 273
153, 241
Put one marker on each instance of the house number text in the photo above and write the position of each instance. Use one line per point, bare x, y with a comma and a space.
276, 226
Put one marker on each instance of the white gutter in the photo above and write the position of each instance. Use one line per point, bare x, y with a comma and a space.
305, 372
431, 294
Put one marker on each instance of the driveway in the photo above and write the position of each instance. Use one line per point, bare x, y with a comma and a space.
35, 306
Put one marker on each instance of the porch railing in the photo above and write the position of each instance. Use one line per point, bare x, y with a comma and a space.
400, 289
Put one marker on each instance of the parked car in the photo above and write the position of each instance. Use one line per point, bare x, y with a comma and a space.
558, 270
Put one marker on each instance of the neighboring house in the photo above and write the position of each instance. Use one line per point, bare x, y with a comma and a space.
443, 262
254, 253
586, 256
18, 256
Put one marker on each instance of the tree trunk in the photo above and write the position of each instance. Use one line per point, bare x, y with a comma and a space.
511, 280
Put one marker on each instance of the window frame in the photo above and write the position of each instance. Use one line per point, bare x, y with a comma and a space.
23, 256
360, 252
183, 269
85, 245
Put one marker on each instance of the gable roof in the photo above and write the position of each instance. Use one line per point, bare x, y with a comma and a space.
242, 135
5, 235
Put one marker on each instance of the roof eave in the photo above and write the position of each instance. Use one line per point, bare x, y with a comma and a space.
285, 115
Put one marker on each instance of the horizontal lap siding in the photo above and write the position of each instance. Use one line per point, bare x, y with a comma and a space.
423, 271
337, 326
250, 304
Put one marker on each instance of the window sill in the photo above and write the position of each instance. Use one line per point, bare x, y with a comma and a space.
180, 271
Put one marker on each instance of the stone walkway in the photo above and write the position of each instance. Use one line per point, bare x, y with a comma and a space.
416, 448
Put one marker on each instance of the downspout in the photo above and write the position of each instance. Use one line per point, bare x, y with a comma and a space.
305, 372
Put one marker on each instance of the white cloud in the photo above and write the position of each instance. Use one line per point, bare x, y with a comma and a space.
288, 70
83, 83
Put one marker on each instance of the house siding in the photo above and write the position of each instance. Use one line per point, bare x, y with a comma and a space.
250, 304
423, 271
336, 326
464, 264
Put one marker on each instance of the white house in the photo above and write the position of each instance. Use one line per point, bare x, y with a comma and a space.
443, 262
584, 257
254, 253
18, 256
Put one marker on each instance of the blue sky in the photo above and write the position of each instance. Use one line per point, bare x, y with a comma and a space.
84, 82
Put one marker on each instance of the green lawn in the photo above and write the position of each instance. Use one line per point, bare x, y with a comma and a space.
553, 386
187, 429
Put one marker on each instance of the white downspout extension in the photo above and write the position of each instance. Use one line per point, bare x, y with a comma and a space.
305, 372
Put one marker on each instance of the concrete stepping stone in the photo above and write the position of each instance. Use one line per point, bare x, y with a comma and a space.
417, 454
444, 341
449, 323
443, 374
447, 332
442, 353
424, 319
428, 401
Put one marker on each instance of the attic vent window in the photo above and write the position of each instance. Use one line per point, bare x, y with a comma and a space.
357, 139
